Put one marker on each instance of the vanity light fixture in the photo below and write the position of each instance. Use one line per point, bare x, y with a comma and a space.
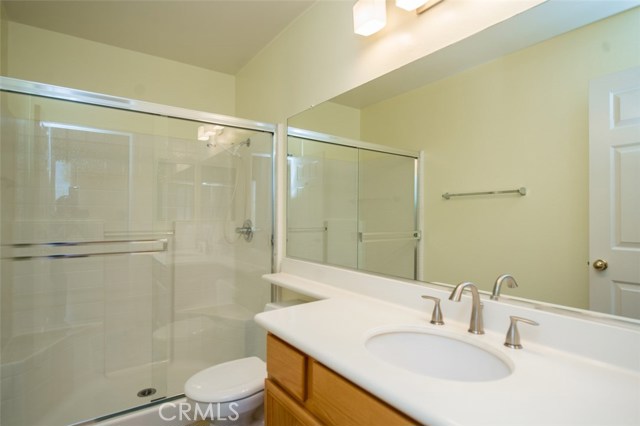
369, 16
426, 5
410, 5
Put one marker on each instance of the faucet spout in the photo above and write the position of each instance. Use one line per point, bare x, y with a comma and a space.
511, 283
476, 325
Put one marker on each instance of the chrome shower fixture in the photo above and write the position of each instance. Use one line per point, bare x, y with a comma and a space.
246, 230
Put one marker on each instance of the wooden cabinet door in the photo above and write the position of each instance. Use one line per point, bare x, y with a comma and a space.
282, 410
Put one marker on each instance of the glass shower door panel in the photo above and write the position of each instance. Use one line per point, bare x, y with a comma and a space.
214, 189
79, 254
322, 204
387, 214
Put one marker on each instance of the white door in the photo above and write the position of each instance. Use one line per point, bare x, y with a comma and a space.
614, 187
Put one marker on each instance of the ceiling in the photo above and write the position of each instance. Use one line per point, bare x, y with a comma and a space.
218, 35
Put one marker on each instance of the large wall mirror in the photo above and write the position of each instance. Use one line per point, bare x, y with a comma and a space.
518, 105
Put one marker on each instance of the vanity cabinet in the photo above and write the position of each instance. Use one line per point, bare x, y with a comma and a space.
299, 391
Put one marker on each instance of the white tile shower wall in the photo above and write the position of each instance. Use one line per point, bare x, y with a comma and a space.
162, 314
94, 329
200, 281
70, 174
203, 237
128, 308
142, 184
74, 353
55, 293
44, 231
249, 292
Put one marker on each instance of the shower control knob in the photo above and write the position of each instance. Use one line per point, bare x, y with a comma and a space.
246, 230
600, 265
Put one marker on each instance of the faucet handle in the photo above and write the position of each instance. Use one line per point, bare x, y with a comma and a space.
513, 336
436, 316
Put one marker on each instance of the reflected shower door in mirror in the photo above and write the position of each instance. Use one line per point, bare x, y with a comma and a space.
499, 116
352, 207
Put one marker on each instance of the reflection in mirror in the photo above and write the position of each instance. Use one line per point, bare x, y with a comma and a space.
520, 120
323, 185
388, 233
350, 206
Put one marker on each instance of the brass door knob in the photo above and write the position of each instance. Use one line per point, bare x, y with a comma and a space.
600, 265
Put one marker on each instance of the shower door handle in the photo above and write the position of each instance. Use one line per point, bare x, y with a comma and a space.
66, 250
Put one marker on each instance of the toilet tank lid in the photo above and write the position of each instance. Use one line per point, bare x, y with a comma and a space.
228, 381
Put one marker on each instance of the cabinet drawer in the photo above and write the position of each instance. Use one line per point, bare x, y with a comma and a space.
336, 401
287, 367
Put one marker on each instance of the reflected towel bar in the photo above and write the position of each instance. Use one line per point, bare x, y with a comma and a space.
521, 191
377, 237
318, 229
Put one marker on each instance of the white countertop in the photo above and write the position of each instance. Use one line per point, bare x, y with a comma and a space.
546, 387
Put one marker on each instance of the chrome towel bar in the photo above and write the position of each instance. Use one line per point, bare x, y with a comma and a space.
522, 191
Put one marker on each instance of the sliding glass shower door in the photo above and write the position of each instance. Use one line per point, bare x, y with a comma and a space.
132, 249
387, 214
352, 206
322, 219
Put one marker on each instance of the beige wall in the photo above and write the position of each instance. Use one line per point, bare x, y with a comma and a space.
318, 56
517, 121
5, 291
3, 39
330, 118
314, 59
54, 58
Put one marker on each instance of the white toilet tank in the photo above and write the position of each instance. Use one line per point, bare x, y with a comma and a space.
277, 305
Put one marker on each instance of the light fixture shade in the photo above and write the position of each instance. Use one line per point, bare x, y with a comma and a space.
208, 130
410, 4
369, 16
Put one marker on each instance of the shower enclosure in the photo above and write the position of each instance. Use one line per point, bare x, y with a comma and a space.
352, 204
133, 240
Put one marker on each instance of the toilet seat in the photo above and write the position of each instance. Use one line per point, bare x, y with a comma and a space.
228, 381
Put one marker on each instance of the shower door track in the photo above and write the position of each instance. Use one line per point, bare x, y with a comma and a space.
14, 85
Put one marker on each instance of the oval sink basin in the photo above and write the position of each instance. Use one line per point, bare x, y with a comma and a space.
438, 356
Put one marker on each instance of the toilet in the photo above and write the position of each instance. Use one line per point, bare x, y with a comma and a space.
230, 393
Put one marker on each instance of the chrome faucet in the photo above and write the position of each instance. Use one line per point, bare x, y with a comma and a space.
475, 324
511, 283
